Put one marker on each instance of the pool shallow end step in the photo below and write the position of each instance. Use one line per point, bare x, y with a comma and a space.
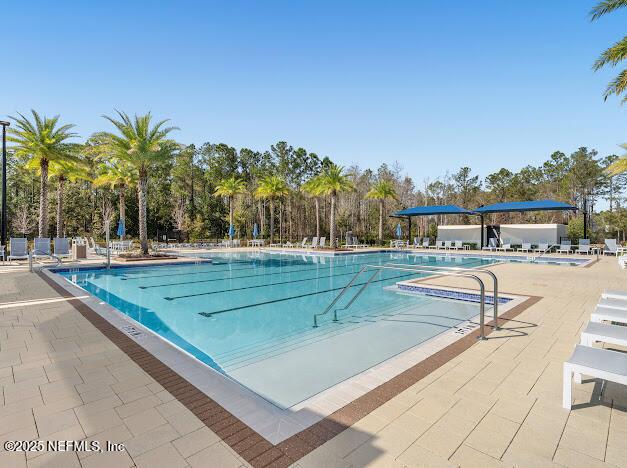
445, 293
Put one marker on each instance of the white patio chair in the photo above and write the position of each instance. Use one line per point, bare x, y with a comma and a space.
610, 247
42, 247
604, 333
526, 247
583, 249
564, 247
608, 314
614, 294
18, 248
612, 303
593, 362
542, 247
61, 247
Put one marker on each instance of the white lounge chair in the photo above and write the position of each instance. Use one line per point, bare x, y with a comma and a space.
2, 252
526, 247
438, 245
61, 247
42, 247
425, 243
322, 243
593, 362
583, 249
447, 245
608, 314
457, 245
604, 333
542, 247
584, 241
314, 243
610, 247
564, 247
18, 248
613, 294
613, 303
491, 244
505, 247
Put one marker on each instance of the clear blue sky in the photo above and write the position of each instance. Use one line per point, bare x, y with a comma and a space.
483, 83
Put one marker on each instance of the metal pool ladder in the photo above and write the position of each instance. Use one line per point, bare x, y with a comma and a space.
379, 268
495, 283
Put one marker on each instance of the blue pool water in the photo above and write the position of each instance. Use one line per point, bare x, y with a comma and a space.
250, 316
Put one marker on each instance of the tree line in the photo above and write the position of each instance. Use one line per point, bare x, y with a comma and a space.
160, 187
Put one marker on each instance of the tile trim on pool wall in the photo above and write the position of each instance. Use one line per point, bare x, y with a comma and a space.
450, 294
251, 446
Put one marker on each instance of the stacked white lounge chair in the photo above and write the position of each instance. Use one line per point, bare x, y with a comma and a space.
608, 324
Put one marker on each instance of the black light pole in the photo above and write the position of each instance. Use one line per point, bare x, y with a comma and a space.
585, 216
4, 124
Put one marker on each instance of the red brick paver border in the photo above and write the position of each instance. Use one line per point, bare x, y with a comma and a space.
251, 446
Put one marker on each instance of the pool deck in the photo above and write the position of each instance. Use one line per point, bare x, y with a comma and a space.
496, 404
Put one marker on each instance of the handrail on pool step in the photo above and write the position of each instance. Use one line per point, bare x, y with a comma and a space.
495, 283
379, 268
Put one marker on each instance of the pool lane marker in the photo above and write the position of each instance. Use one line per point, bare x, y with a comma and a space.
256, 265
275, 273
259, 275
260, 286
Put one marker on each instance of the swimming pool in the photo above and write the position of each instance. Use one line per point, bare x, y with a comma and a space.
249, 316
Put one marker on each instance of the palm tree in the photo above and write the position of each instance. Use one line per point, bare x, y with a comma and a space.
333, 181
615, 54
382, 191
141, 145
41, 142
312, 188
120, 175
65, 171
230, 188
272, 188
619, 166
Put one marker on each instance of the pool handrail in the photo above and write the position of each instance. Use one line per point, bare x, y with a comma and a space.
495, 282
380, 268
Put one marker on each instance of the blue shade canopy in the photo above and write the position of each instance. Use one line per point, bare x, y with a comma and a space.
433, 210
534, 205
231, 231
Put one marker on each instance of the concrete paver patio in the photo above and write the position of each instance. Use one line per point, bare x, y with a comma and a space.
496, 404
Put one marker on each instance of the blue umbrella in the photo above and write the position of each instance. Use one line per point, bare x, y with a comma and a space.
231, 231
121, 228
399, 232
255, 230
